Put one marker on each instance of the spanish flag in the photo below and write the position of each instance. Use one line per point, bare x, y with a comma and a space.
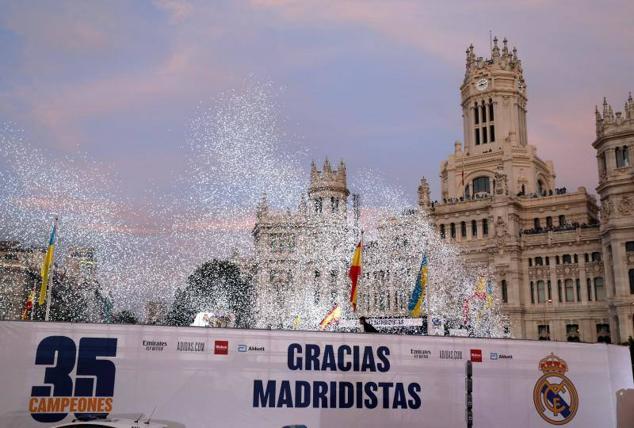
415, 305
355, 271
48, 261
332, 316
28, 306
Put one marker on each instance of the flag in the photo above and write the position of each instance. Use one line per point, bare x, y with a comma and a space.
355, 271
480, 289
489, 298
48, 261
332, 316
415, 305
28, 306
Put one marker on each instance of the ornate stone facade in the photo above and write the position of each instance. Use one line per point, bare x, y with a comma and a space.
564, 271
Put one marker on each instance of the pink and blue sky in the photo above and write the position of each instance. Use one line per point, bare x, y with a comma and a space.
372, 82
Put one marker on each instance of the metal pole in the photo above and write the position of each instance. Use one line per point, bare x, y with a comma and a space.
33, 302
49, 289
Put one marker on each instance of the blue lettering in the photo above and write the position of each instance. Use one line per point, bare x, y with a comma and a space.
415, 401
294, 363
262, 398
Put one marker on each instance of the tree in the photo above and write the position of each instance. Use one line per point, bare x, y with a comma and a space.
124, 317
216, 286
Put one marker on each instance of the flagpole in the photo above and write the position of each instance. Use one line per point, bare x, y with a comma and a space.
49, 285
34, 291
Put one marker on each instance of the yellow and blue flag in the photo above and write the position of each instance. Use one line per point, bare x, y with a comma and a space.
46, 265
415, 305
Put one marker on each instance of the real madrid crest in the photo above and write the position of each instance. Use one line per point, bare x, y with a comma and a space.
555, 397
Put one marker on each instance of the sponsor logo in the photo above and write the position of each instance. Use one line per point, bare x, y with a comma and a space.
78, 378
221, 347
420, 354
190, 346
450, 354
251, 348
242, 348
555, 397
154, 345
496, 356
476, 355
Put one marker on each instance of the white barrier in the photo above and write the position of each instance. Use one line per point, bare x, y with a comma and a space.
205, 377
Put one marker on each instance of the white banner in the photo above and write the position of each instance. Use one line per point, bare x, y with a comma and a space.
207, 377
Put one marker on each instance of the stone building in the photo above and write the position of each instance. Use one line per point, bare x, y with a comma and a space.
564, 268
561, 272
20, 273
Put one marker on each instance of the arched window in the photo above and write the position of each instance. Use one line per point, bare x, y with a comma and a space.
622, 157
505, 297
463, 229
536, 224
483, 110
474, 229
570, 291
476, 114
485, 227
539, 261
596, 256
562, 220
549, 222
442, 231
541, 292
532, 293
599, 289
540, 188
481, 185
452, 226
491, 116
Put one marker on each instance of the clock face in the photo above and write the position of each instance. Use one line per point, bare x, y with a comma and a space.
482, 84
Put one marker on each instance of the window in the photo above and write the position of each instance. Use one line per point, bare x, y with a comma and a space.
492, 133
556, 259
599, 289
539, 261
532, 293
631, 275
589, 289
559, 291
543, 331
622, 157
547, 261
570, 291
536, 224
567, 259
481, 185
474, 228
442, 231
484, 135
604, 166
550, 294
334, 204
477, 136
505, 297
452, 226
562, 220
318, 205
572, 332
629, 246
541, 292
485, 227
491, 116
549, 222
476, 115
463, 229
530, 262
575, 258
586, 257
540, 188
578, 284
483, 110
603, 333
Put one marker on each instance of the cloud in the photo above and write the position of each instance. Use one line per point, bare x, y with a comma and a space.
178, 10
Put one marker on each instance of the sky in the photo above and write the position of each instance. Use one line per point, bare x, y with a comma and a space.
115, 88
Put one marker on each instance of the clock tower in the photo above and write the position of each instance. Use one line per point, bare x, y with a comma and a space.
493, 100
